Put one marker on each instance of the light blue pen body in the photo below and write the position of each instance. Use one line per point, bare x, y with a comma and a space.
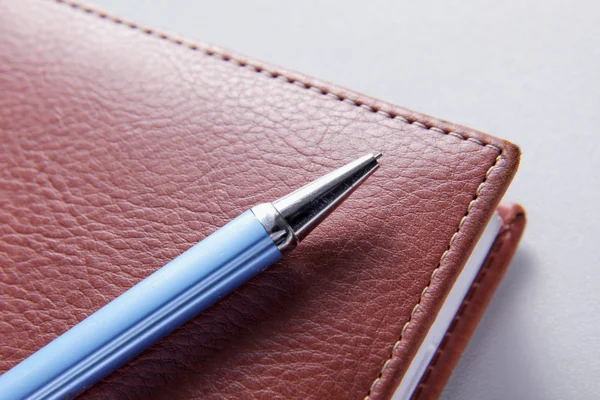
179, 291
148, 311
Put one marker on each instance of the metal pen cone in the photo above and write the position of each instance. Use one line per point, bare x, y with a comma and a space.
308, 206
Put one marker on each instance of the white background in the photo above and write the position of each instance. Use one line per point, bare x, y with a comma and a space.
527, 71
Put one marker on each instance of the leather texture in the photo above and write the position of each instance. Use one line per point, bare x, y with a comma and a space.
122, 147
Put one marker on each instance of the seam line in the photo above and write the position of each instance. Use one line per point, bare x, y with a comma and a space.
503, 236
272, 74
433, 274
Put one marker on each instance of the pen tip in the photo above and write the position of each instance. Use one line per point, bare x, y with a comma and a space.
377, 156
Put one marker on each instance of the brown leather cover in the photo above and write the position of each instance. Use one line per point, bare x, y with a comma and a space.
122, 147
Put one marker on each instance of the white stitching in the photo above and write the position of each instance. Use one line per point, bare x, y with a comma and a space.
258, 69
433, 274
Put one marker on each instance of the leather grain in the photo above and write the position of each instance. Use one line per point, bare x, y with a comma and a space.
122, 147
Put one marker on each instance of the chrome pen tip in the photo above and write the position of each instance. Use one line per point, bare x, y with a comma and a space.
306, 207
289, 219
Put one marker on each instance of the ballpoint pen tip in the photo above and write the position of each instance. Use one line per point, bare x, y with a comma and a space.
377, 156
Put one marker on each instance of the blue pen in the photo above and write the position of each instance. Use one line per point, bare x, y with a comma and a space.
180, 290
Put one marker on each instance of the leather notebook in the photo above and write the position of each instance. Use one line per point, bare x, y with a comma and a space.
123, 146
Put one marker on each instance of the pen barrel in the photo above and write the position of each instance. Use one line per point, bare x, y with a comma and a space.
145, 313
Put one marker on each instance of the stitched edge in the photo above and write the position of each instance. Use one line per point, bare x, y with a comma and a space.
434, 273
323, 92
465, 304
271, 74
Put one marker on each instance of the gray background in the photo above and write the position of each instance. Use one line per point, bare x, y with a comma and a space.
527, 71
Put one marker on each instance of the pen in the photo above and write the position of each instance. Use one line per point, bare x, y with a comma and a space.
181, 289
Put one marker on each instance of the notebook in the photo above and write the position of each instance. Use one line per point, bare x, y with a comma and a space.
123, 146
